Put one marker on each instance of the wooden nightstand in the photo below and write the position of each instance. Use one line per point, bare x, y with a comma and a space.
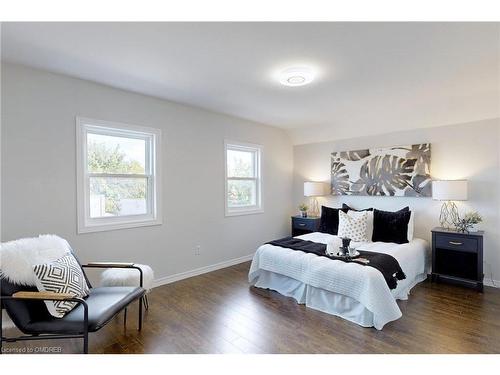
458, 257
303, 225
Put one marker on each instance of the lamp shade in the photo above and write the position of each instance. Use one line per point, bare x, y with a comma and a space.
313, 189
449, 190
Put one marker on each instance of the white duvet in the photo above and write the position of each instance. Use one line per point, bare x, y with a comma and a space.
362, 283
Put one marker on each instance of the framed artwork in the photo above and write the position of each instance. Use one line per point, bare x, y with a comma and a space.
401, 171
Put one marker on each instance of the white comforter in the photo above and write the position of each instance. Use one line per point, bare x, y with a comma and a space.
362, 283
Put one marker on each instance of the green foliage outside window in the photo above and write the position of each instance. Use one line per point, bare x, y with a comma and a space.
104, 159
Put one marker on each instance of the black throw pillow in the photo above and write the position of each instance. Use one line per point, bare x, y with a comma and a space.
391, 226
347, 208
329, 221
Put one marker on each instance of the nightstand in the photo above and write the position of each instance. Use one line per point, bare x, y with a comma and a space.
458, 257
303, 225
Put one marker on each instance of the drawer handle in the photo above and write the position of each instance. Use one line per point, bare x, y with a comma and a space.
456, 243
302, 225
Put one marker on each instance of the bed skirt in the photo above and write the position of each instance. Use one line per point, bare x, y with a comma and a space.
324, 300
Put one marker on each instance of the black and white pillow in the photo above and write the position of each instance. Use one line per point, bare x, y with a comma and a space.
354, 225
369, 229
63, 275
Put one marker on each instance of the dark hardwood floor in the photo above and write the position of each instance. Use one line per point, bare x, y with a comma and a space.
219, 313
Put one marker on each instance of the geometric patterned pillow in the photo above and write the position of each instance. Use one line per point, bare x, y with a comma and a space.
61, 276
354, 225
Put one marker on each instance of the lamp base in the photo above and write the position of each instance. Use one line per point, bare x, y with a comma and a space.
314, 207
448, 218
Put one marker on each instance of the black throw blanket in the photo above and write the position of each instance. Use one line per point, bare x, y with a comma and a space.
386, 264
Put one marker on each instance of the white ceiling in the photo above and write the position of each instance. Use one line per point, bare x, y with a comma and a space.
373, 77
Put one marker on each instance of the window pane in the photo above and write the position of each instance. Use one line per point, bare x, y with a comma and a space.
111, 154
241, 193
240, 163
117, 196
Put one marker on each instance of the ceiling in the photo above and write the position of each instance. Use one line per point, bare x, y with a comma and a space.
372, 77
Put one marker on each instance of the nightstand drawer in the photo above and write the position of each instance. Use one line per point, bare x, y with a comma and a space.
460, 243
304, 223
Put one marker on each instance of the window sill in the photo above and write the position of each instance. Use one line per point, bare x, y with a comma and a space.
244, 212
117, 226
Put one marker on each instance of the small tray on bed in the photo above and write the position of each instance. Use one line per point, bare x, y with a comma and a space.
355, 255
341, 256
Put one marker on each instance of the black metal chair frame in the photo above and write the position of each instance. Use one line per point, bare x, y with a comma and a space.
85, 335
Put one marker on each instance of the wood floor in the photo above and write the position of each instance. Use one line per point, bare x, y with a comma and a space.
219, 313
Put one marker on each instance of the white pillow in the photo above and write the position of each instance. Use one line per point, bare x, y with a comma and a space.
354, 225
369, 229
411, 225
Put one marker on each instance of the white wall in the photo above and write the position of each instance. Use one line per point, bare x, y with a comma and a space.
39, 178
469, 151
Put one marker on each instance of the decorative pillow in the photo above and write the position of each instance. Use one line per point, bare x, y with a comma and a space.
329, 222
353, 225
346, 207
391, 226
369, 229
411, 226
63, 275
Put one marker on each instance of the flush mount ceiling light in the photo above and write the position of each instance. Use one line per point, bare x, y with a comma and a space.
296, 76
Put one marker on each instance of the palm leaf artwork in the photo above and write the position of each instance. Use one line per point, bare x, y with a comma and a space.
354, 155
382, 175
340, 179
395, 171
422, 153
421, 186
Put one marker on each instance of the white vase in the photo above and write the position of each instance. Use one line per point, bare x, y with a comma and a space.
331, 249
474, 228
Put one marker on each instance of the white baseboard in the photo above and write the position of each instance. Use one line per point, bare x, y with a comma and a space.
490, 282
200, 271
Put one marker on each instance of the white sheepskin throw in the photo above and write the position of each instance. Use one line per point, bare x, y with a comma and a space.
18, 257
7, 323
128, 277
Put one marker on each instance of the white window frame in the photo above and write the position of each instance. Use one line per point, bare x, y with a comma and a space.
258, 150
152, 136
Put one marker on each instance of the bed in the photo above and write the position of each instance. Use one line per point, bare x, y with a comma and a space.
351, 291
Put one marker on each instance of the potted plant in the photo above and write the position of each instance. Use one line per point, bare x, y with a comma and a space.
303, 209
469, 222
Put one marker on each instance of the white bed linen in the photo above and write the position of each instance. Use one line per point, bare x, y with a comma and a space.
368, 302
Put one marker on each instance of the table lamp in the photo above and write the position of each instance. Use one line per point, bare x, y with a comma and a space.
449, 191
313, 190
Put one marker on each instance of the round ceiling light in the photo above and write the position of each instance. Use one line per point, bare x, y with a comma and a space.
296, 76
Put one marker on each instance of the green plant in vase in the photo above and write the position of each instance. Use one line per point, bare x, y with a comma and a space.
468, 222
303, 209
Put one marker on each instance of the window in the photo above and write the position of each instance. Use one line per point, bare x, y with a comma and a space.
243, 178
118, 175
